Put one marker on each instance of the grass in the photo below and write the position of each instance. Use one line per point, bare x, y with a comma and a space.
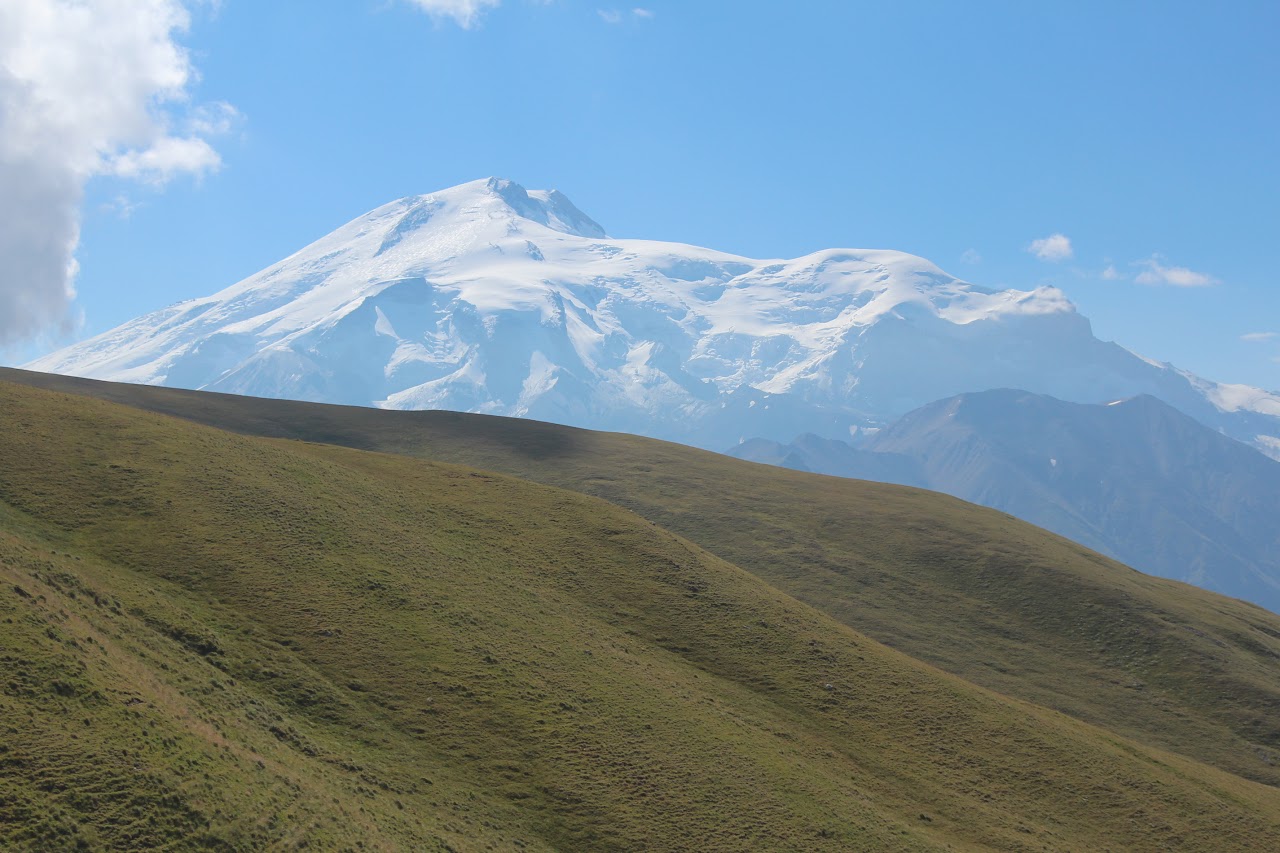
231, 642
973, 591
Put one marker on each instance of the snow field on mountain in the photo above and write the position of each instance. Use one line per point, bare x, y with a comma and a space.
486, 297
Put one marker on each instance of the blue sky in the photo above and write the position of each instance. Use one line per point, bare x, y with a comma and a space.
1144, 135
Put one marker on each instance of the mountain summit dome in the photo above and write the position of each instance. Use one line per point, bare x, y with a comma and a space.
488, 297
493, 199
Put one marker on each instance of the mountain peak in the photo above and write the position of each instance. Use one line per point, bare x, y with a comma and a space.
487, 196
491, 297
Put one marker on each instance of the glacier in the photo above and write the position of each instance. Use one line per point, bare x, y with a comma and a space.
491, 298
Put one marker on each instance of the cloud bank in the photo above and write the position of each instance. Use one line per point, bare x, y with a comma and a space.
87, 88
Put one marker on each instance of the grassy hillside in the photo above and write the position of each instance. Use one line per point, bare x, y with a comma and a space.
227, 642
975, 592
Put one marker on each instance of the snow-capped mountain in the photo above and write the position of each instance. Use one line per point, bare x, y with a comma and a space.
490, 298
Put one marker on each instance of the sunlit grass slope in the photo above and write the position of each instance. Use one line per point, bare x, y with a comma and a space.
222, 641
971, 590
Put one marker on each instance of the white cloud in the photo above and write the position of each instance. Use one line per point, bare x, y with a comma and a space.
1111, 273
121, 206
465, 13
971, 256
1259, 336
1158, 273
615, 16
213, 119
87, 88
1054, 248
167, 157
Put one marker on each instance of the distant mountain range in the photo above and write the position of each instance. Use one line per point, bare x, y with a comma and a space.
490, 298
1134, 479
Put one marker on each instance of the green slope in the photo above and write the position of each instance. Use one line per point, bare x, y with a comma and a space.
976, 592
218, 641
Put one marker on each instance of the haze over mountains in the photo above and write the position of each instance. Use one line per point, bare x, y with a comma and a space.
489, 298
1134, 479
